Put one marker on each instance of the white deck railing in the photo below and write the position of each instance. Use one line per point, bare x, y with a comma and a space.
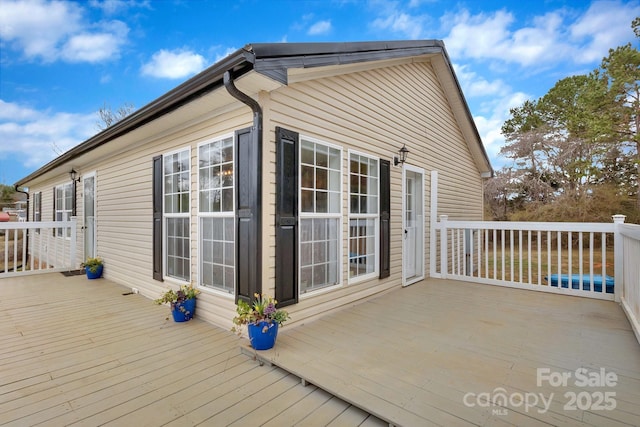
37, 247
630, 275
596, 260
568, 258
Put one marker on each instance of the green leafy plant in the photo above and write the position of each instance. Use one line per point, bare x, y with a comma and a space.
175, 298
92, 264
263, 309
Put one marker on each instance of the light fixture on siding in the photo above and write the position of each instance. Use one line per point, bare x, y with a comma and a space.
402, 156
74, 175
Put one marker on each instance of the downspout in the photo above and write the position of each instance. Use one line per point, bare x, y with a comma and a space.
246, 99
26, 243
256, 141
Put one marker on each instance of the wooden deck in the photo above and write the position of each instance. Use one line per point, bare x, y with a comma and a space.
440, 352
79, 352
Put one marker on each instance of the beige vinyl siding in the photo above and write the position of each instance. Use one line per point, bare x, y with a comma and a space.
375, 112
125, 211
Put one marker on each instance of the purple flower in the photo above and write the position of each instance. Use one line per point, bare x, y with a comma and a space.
269, 309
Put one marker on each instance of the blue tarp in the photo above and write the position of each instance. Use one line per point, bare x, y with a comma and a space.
586, 282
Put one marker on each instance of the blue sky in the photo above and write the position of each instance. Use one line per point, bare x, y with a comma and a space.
60, 61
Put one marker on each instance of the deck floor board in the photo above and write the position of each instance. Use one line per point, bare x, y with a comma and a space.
411, 356
79, 352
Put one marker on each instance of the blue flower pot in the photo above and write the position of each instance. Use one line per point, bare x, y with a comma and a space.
263, 335
95, 275
189, 307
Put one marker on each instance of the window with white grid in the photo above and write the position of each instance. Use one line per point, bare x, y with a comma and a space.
363, 215
216, 213
320, 214
64, 208
176, 190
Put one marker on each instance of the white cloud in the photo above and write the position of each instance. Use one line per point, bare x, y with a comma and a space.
490, 124
112, 7
402, 23
173, 64
53, 31
474, 85
488, 36
96, 47
394, 18
11, 111
228, 51
604, 25
320, 27
32, 135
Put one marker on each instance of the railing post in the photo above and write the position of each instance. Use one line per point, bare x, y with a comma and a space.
444, 264
74, 243
618, 257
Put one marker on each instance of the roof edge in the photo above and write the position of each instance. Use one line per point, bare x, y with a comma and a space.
240, 62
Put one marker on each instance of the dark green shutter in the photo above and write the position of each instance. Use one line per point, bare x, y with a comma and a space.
286, 217
385, 216
157, 218
248, 215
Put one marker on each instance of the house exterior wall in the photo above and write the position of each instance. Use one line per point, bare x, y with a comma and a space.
44, 246
373, 112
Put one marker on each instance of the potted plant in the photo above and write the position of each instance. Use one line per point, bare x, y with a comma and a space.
93, 267
182, 302
262, 320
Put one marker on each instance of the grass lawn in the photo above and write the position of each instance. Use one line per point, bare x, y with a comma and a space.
536, 259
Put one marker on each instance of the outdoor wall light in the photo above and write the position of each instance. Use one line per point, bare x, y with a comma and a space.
402, 156
74, 175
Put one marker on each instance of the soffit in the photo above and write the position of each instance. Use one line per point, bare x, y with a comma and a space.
214, 103
296, 75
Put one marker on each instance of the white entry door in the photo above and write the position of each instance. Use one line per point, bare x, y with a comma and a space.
89, 226
413, 223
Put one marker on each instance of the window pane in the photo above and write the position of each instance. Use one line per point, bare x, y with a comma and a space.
334, 159
218, 263
322, 158
306, 254
227, 174
306, 201
227, 200
334, 181
306, 180
321, 179
354, 206
306, 229
334, 203
320, 193
321, 202
318, 253
306, 152
227, 150
355, 184
319, 229
217, 175
177, 248
363, 178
